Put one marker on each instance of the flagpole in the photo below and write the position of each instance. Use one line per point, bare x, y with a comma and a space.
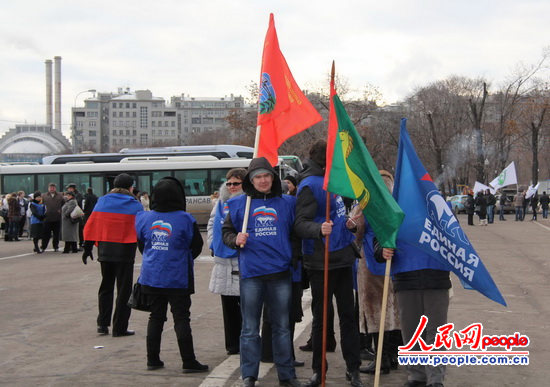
325, 278
249, 198
382, 323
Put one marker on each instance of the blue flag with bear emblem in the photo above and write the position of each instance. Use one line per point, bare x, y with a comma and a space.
430, 227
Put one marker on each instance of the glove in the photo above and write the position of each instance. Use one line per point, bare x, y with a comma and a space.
86, 254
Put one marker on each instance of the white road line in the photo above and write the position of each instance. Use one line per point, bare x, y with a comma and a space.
16, 256
542, 225
221, 374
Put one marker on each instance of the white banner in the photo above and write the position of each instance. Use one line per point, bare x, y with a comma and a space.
482, 187
531, 191
506, 177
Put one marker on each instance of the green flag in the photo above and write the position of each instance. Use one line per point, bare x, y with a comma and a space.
351, 172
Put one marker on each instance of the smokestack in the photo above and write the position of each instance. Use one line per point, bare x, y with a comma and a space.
49, 106
57, 70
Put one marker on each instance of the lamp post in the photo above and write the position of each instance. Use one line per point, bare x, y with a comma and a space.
83, 91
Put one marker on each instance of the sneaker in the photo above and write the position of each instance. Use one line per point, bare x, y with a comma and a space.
194, 366
103, 330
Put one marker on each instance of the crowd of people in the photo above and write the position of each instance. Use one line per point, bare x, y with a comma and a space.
484, 205
263, 260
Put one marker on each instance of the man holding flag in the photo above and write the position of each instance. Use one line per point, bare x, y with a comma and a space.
430, 243
310, 225
264, 246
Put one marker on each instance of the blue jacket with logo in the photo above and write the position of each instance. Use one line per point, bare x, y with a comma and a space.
310, 214
167, 259
268, 249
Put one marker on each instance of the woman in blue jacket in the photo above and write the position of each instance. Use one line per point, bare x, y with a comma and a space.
38, 211
169, 240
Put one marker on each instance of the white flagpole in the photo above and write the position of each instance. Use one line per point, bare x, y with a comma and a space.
248, 198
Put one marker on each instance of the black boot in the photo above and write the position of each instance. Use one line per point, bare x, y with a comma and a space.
153, 353
395, 341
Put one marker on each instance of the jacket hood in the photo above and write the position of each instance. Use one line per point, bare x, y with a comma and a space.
261, 163
311, 168
168, 195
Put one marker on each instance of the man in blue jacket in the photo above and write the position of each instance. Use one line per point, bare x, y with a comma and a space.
265, 255
312, 227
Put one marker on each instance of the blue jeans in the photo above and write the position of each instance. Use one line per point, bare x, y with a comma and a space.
545, 213
277, 294
501, 214
519, 213
490, 213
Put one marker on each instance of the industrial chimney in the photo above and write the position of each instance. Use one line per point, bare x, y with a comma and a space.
49, 106
57, 70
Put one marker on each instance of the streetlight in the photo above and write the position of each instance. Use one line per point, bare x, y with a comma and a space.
83, 91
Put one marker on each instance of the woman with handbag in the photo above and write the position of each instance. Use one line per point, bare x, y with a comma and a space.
69, 223
169, 239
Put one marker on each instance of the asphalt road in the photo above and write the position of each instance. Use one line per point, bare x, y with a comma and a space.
48, 308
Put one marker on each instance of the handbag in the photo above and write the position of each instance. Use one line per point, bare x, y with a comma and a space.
77, 213
138, 300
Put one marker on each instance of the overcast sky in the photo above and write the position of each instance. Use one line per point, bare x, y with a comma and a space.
212, 48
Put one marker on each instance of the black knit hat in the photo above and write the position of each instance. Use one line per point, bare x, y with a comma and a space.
292, 179
318, 153
123, 181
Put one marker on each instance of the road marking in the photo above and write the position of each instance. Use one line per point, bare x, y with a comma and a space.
542, 225
16, 256
221, 374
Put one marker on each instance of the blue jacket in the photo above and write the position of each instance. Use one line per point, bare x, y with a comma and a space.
167, 260
268, 249
37, 210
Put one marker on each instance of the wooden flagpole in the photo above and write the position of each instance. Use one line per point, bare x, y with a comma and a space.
382, 323
248, 198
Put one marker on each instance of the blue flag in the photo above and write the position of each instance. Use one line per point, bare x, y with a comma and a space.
430, 230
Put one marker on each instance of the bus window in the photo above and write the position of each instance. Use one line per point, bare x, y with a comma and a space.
97, 185
14, 183
195, 181
144, 183
157, 175
82, 181
45, 180
217, 177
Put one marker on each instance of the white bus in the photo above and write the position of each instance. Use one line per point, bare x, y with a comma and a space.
201, 175
219, 151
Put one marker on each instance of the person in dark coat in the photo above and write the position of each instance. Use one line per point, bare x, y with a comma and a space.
38, 211
90, 200
14, 216
481, 206
311, 226
502, 202
491, 202
169, 240
534, 202
111, 227
53, 201
469, 206
544, 201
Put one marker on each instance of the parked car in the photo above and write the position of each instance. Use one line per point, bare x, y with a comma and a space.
458, 202
508, 206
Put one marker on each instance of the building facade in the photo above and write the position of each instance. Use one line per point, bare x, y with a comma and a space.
109, 122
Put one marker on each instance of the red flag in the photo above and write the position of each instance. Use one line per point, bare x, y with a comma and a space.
283, 109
